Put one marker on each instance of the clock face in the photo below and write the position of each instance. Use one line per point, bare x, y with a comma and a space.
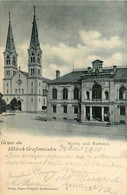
19, 81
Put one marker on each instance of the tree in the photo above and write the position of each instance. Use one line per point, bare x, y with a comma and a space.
13, 104
2, 105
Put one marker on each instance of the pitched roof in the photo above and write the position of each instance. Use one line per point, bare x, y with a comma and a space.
121, 73
97, 61
25, 73
34, 42
75, 76
46, 80
10, 44
72, 77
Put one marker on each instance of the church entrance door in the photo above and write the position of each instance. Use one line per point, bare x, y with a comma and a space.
19, 106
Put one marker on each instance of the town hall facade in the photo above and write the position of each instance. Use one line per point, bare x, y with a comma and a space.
94, 95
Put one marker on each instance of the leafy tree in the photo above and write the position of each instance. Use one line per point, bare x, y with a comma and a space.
2, 105
13, 104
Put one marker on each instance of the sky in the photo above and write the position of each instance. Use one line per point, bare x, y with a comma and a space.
72, 33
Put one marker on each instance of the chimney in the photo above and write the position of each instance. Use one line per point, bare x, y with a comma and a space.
57, 74
114, 69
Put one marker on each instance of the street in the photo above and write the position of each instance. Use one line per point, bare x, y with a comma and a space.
35, 124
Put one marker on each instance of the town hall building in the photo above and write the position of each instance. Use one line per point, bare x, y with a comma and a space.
92, 95
29, 88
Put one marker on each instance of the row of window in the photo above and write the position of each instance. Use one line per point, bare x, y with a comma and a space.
44, 102
44, 91
96, 93
65, 93
8, 62
8, 73
54, 109
32, 71
33, 58
19, 91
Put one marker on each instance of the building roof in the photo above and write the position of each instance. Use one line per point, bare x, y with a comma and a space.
10, 44
34, 42
121, 73
74, 77
97, 61
25, 73
46, 80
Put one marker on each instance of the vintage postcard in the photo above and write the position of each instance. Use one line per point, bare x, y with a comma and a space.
63, 91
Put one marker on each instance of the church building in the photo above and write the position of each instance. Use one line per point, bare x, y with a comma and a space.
29, 88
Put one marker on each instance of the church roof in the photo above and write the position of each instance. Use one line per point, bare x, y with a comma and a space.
34, 42
10, 44
25, 73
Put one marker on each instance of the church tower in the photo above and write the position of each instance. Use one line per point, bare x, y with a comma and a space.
10, 54
34, 52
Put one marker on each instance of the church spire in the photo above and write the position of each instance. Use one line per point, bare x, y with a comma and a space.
34, 42
10, 44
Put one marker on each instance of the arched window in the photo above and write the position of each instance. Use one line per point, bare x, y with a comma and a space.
8, 72
106, 95
65, 94
54, 93
38, 58
96, 91
8, 60
32, 57
16, 91
32, 71
87, 95
122, 92
76, 93
14, 60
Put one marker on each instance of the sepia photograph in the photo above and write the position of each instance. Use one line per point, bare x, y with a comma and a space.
63, 89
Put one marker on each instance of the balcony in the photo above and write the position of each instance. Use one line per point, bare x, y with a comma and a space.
65, 101
121, 100
96, 100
